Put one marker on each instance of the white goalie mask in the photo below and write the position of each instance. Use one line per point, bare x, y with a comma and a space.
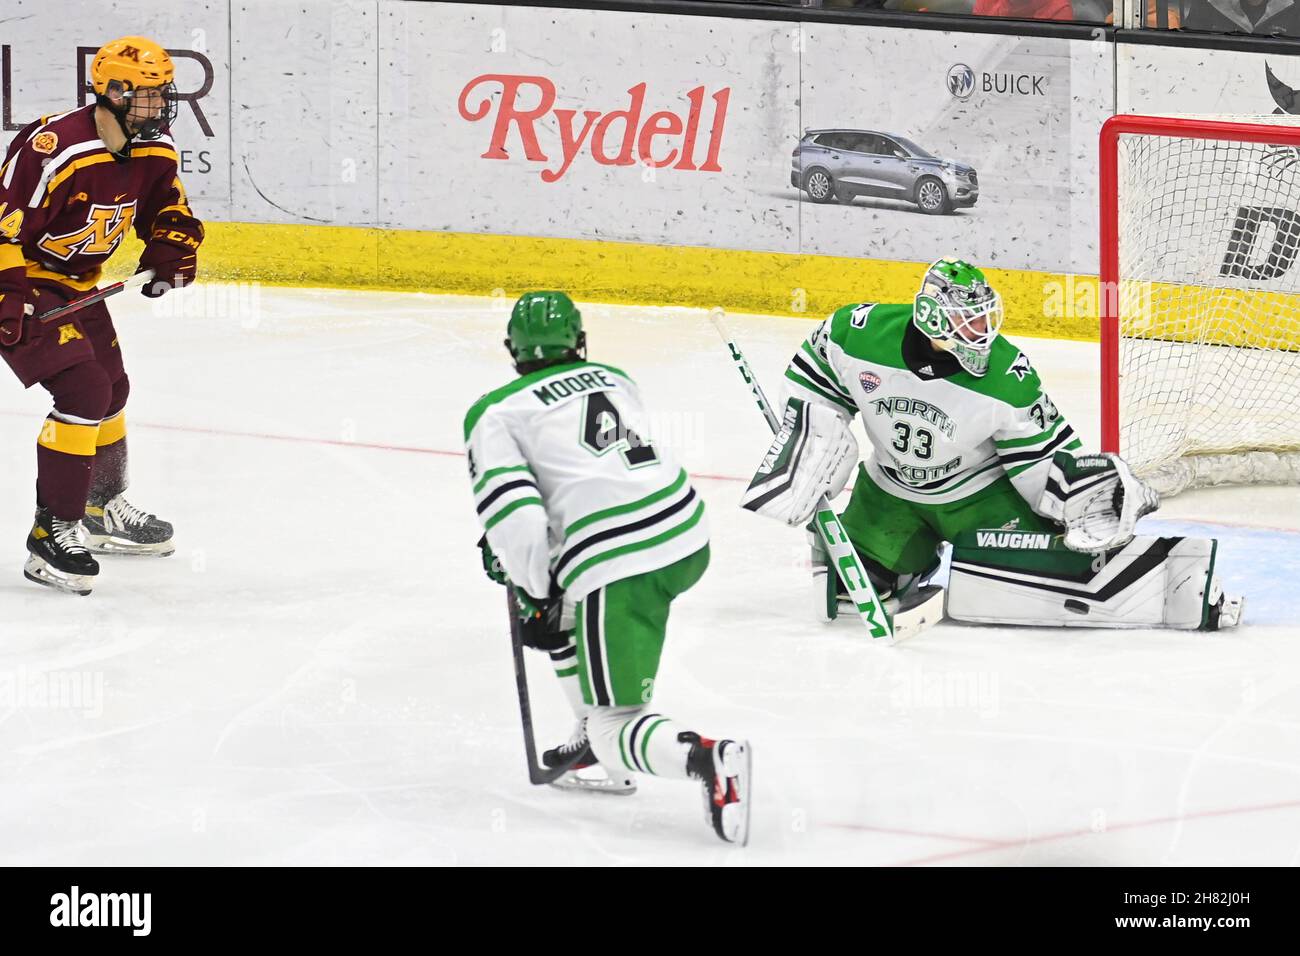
957, 306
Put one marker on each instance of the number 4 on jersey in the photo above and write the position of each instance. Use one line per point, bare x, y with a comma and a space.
603, 430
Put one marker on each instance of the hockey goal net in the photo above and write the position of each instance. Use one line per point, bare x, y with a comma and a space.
1200, 298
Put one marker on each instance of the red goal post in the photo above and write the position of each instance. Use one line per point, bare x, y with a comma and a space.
1183, 179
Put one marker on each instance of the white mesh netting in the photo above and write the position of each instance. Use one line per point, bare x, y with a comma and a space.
1209, 307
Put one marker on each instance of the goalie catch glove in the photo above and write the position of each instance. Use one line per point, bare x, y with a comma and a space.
1097, 498
812, 455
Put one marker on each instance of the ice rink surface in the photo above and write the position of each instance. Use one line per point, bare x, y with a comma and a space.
321, 674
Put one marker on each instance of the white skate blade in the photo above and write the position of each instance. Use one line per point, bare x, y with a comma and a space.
36, 569
1231, 611
595, 782
737, 761
108, 544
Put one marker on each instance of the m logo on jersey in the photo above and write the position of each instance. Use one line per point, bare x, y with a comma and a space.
103, 231
1021, 368
67, 333
869, 381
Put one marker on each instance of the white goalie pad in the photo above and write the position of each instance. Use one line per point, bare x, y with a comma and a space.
813, 454
1001, 577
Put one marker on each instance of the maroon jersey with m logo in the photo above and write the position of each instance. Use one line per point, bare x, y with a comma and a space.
68, 202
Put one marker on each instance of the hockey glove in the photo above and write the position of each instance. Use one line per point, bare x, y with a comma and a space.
171, 252
14, 308
539, 621
491, 563
15, 304
1097, 498
813, 455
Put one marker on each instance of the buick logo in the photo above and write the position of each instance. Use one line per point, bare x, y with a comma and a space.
961, 81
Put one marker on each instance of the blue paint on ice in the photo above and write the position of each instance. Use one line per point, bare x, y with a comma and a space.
1263, 564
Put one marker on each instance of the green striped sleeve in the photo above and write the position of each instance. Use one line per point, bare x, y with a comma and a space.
498, 517
1033, 439
1025, 466
820, 392
494, 472
825, 368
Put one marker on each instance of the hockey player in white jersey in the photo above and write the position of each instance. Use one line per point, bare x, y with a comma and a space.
584, 512
967, 448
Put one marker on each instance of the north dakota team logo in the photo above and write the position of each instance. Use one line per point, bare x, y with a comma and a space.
870, 381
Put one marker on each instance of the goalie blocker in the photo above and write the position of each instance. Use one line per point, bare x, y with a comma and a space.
1011, 577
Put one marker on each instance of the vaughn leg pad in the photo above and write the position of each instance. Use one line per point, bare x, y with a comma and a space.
1002, 577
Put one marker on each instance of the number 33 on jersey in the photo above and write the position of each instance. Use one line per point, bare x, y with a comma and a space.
563, 456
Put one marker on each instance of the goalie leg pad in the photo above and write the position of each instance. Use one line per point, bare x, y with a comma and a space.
1001, 577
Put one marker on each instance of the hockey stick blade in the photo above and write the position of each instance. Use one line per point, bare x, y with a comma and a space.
537, 774
917, 612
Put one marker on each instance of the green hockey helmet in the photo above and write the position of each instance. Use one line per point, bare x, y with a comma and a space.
957, 307
544, 328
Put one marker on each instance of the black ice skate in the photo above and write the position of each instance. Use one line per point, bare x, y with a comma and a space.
596, 778
116, 526
725, 769
59, 557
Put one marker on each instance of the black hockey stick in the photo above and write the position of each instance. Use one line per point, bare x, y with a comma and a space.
537, 774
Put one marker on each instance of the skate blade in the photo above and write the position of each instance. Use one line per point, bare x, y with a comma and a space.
37, 570
735, 817
616, 787
108, 544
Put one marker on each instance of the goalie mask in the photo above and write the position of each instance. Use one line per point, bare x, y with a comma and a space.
957, 307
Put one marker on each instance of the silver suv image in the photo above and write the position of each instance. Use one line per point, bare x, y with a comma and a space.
837, 165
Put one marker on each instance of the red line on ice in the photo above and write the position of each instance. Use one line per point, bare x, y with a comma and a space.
991, 845
334, 442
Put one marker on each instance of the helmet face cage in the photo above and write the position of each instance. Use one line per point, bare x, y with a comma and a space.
957, 306
150, 118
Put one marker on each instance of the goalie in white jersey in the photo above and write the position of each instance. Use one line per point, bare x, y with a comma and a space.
967, 448
585, 514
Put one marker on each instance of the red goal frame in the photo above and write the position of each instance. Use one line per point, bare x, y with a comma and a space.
1108, 274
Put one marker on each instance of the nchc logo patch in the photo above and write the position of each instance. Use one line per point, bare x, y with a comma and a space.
869, 381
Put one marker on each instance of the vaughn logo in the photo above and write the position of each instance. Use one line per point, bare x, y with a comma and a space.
1013, 539
617, 137
962, 83
772, 461
102, 909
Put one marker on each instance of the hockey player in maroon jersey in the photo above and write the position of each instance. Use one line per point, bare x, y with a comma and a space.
71, 186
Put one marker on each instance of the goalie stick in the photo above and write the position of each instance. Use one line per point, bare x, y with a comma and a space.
911, 617
537, 774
